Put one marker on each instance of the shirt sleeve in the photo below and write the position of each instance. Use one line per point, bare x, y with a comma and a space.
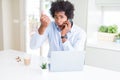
37, 40
78, 44
67, 46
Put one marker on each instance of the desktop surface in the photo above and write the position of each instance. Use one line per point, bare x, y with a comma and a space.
12, 70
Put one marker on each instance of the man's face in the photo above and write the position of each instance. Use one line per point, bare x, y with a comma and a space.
60, 18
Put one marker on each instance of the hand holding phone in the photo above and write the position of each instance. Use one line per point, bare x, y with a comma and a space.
70, 20
66, 27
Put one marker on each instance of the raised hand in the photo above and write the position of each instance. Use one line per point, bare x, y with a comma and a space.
45, 21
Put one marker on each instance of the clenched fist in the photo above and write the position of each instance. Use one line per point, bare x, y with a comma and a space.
45, 21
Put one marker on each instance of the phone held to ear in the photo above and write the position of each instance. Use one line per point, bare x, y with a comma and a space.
71, 21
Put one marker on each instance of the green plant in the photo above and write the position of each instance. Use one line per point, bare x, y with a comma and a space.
112, 29
117, 36
103, 29
44, 66
108, 29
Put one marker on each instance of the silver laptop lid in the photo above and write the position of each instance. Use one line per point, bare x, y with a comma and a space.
67, 60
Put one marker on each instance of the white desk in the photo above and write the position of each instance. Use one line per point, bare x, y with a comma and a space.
12, 70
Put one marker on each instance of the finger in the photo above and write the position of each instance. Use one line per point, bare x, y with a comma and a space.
69, 24
44, 18
66, 22
42, 15
66, 26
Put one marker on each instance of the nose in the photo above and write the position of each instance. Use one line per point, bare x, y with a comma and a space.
58, 21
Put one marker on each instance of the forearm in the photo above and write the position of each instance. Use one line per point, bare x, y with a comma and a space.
67, 46
41, 30
79, 45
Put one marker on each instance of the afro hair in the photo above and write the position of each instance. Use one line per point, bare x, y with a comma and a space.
65, 6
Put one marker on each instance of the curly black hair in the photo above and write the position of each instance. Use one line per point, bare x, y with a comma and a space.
65, 6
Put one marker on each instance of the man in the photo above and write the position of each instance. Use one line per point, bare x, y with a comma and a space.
62, 33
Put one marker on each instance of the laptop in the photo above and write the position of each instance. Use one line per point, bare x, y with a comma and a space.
66, 61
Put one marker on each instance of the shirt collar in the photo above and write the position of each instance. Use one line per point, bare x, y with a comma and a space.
57, 27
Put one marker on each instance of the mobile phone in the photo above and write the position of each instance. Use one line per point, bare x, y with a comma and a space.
71, 21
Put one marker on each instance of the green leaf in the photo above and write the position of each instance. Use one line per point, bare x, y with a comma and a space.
112, 29
103, 29
44, 66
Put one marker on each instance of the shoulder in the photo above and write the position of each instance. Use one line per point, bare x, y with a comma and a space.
78, 29
51, 25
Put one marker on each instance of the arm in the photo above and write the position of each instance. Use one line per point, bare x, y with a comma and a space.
67, 27
79, 42
41, 35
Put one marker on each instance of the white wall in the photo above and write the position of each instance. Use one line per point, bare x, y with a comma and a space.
100, 57
11, 26
80, 17
15, 24
94, 19
7, 26
1, 28
22, 21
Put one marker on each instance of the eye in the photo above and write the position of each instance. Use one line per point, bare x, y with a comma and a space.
61, 16
55, 17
